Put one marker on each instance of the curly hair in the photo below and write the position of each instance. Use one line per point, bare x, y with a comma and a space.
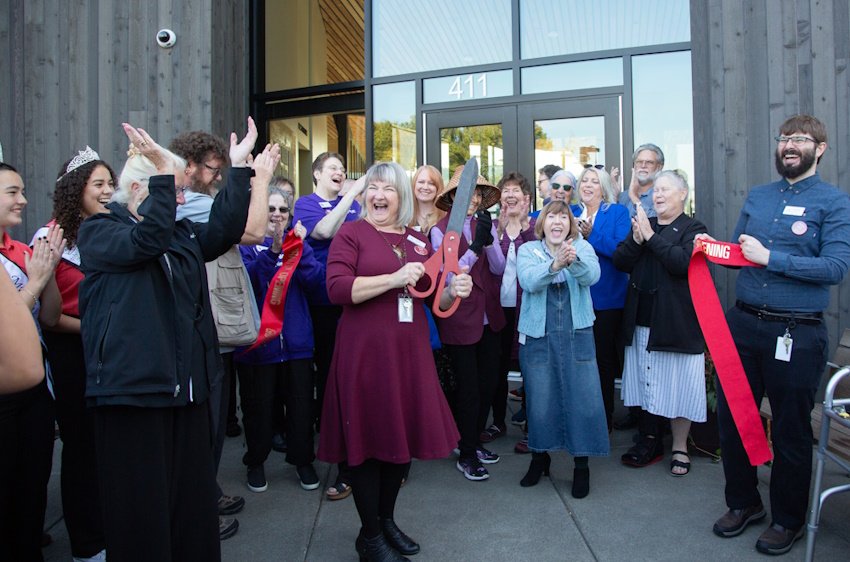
68, 197
198, 146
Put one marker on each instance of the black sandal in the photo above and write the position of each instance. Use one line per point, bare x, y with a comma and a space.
680, 464
645, 452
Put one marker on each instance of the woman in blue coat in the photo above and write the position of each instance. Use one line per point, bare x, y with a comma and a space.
557, 357
284, 361
604, 223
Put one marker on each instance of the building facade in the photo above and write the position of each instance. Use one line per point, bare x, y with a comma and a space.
518, 83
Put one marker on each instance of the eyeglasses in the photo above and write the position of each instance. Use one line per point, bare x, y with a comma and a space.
565, 186
646, 163
541, 180
215, 171
281, 210
597, 166
182, 189
335, 169
796, 140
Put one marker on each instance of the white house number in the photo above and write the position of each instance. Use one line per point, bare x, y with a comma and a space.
467, 86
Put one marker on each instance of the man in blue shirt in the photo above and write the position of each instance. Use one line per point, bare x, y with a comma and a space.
647, 161
798, 228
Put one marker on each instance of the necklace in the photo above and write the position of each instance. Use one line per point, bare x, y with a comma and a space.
400, 250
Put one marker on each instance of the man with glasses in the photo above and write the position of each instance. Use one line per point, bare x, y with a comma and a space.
545, 174
206, 155
798, 228
647, 161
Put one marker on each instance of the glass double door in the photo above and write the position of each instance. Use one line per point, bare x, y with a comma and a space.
569, 134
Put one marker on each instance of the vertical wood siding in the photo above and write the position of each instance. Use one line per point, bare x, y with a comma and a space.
756, 63
77, 69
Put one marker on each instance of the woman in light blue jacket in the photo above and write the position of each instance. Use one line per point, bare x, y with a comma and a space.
557, 353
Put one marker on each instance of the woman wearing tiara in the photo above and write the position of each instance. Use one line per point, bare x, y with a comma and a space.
83, 188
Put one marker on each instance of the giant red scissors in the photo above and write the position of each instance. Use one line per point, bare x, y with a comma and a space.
445, 257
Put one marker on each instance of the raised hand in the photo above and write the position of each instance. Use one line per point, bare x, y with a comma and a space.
300, 231
239, 151
143, 143
265, 164
615, 177
646, 231
634, 185
636, 234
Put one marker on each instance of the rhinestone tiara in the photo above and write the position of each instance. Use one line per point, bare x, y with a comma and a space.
83, 157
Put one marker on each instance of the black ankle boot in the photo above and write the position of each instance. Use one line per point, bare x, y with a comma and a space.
581, 482
396, 538
377, 550
540, 463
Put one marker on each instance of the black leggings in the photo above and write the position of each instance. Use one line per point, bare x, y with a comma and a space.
375, 485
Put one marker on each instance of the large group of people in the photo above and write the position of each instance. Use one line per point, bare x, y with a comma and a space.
134, 310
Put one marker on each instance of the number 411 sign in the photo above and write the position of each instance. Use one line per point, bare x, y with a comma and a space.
468, 86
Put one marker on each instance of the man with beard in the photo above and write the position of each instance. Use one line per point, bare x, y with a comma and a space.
798, 228
647, 161
206, 156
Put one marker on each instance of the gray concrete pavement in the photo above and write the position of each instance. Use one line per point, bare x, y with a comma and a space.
630, 514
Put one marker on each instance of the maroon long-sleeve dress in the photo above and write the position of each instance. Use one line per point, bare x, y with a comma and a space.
383, 399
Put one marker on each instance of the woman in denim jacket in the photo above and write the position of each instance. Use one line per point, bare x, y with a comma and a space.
557, 353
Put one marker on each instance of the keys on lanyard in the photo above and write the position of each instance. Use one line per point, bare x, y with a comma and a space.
784, 344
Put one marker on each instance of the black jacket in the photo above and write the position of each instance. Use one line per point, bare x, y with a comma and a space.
146, 321
674, 326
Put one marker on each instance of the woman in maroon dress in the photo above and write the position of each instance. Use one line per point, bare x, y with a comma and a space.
383, 403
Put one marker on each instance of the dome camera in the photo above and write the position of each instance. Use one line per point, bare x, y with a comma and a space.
166, 38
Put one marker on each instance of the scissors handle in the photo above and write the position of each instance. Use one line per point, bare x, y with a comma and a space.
432, 272
449, 249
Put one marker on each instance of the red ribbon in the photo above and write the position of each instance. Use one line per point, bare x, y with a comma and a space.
271, 322
722, 347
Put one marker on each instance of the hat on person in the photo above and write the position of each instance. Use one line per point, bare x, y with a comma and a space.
490, 192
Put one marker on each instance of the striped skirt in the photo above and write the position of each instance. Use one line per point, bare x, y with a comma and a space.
663, 383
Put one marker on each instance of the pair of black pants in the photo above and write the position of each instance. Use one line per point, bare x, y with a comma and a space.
507, 337
157, 479
231, 402
375, 485
791, 388
476, 368
80, 488
258, 385
26, 458
219, 408
610, 348
325, 320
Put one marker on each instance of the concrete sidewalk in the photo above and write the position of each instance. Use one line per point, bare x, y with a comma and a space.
630, 514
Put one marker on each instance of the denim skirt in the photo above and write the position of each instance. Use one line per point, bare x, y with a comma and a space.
561, 379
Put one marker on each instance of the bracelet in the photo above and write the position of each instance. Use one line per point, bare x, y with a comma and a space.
34, 298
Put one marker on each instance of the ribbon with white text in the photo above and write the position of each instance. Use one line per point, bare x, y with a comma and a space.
712, 321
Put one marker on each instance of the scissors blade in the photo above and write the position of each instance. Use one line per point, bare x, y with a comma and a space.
463, 195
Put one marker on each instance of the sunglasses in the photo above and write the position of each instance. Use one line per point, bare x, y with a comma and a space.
272, 209
597, 166
565, 187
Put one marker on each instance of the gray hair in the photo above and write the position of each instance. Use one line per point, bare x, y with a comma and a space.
287, 198
393, 174
609, 193
570, 175
139, 169
649, 146
677, 179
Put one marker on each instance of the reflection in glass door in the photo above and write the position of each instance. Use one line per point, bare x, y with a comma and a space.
571, 143
570, 135
459, 144
488, 134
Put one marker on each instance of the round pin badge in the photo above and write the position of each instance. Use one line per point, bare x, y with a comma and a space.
420, 250
799, 228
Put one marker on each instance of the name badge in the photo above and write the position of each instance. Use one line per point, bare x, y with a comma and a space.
405, 308
521, 339
325, 204
540, 255
416, 240
794, 211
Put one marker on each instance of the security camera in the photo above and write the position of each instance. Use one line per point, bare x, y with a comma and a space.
166, 38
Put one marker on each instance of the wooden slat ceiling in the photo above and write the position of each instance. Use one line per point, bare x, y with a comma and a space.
345, 28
